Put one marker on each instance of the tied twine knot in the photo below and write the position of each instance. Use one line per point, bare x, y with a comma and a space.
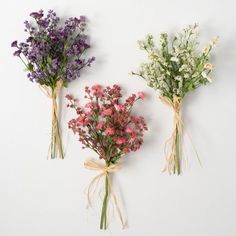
105, 172
52, 93
55, 139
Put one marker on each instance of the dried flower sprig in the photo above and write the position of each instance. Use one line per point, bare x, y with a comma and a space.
107, 126
176, 68
53, 55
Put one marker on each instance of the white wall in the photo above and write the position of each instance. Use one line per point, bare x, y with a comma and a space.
40, 197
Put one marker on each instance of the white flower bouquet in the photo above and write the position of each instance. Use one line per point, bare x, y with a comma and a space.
176, 68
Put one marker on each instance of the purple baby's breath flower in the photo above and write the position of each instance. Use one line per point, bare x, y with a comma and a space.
14, 43
27, 24
54, 51
37, 15
29, 40
17, 53
83, 18
90, 60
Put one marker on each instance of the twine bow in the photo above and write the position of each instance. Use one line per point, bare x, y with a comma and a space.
105, 171
173, 146
56, 144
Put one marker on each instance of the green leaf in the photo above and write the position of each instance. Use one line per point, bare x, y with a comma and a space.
49, 60
30, 67
191, 87
65, 83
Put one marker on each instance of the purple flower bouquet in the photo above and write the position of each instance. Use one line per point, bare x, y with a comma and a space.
53, 56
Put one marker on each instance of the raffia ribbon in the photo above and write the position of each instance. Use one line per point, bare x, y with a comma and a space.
172, 163
52, 94
105, 171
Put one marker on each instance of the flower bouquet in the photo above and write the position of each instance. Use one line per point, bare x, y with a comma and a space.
108, 127
53, 57
175, 69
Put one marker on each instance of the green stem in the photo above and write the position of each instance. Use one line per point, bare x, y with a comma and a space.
177, 153
103, 222
52, 148
59, 137
56, 144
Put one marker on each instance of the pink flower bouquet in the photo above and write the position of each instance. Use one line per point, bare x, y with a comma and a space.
107, 126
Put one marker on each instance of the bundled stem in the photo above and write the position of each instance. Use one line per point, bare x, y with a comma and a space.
177, 153
56, 144
103, 221
174, 143
173, 149
106, 171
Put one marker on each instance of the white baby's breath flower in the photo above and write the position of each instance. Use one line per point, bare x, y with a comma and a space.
167, 72
178, 78
176, 50
174, 59
165, 85
209, 79
183, 67
191, 69
208, 66
204, 75
205, 50
175, 90
214, 41
186, 76
164, 64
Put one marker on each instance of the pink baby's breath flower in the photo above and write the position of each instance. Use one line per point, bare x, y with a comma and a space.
86, 122
80, 119
96, 87
89, 113
107, 112
141, 95
109, 131
126, 150
97, 90
129, 130
69, 97
118, 107
132, 139
118, 137
100, 125
88, 105
120, 140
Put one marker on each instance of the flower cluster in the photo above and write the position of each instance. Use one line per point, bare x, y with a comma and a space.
53, 52
105, 124
176, 67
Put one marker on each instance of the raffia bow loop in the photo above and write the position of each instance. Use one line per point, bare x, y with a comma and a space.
94, 165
